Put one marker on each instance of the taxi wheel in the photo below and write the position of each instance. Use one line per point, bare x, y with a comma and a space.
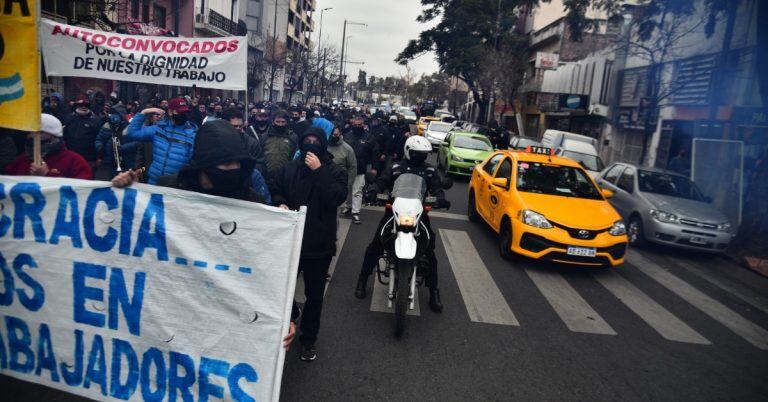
505, 241
472, 209
635, 232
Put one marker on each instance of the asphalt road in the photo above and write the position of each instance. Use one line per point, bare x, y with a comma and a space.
664, 326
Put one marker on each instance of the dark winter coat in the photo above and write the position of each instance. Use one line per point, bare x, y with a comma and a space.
321, 191
366, 149
80, 134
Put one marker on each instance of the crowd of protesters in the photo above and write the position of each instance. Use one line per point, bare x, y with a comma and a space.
282, 155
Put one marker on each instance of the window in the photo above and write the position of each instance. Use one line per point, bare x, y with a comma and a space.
627, 180
505, 170
613, 174
490, 166
158, 15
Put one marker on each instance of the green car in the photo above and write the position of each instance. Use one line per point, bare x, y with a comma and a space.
460, 152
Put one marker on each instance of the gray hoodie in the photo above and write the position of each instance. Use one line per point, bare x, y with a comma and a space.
344, 156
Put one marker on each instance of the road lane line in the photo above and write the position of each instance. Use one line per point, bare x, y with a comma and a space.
379, 297
575, 312
745, 294
661, 320
434, 214
482, 297
342, 230
751, 332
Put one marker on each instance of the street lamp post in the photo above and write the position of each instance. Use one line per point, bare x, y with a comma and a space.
343, 39
320, 36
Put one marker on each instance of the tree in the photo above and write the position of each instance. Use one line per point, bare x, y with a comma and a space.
361, 80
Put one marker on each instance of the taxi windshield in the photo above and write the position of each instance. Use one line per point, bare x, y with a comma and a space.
565, 181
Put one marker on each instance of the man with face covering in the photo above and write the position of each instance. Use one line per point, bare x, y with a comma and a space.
312, 180
81, 128
258, 123
172, 139
57, 161
279, 145
367, 153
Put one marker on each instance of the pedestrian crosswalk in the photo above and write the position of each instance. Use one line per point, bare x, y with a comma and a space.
485, 302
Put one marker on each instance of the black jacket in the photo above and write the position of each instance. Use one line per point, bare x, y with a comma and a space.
366, 149
321, 191
80, 134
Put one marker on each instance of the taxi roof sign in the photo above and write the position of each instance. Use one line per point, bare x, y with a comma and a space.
532, 149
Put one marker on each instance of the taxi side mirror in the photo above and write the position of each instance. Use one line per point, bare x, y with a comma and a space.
608, 194
500, 182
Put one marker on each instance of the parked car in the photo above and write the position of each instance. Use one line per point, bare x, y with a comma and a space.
460, 152
476, 128
436, 132
409, 116
520, 143
582, 152
664, 207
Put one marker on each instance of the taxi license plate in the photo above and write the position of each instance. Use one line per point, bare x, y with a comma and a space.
581, 251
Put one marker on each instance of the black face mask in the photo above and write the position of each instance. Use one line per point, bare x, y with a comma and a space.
334, 140
316, 149
179, 119
280, 129
225, 182
418, 158
46, 147
358, 130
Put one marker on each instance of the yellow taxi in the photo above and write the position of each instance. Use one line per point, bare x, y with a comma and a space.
423, 122
546, 207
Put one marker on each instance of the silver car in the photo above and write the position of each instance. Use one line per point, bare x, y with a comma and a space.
664, 207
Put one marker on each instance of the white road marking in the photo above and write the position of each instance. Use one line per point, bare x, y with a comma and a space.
745, 294
379, 297
575, 312
746, 329
482, 297
661, 320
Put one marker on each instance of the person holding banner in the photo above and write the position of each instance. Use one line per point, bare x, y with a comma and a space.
172, 139
312, 180
57, 160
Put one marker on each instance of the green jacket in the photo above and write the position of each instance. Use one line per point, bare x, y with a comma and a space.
344, 156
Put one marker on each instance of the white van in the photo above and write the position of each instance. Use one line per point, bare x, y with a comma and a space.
583, 153
555, 138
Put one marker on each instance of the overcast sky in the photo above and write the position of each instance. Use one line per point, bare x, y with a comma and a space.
391, 23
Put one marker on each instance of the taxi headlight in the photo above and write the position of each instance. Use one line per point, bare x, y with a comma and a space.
664, 217
536, 220
724, 227
406, 221
618, 229
456, 158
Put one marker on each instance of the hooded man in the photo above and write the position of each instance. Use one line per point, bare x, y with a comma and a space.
172, 139
81, 128
314, 181
279, 145
367, 153
57, 161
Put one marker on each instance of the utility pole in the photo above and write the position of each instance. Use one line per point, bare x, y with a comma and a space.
274, 45
320, 37
343, 40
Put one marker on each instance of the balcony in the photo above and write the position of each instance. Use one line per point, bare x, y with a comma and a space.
549, 32
215, 24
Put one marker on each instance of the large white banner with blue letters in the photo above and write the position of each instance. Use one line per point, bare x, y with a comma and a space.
144, 293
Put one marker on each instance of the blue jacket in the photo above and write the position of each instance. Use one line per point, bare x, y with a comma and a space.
172, 146
324, 124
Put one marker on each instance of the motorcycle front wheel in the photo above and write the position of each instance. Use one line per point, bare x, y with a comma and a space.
402, 291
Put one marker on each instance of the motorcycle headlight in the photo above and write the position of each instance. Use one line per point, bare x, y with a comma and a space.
407, 221
456, 158
662, 216
724, 227
536, 220
618, 229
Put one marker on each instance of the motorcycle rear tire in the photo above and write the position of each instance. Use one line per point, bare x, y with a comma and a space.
402, 291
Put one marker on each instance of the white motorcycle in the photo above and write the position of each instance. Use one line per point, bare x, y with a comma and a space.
404, 238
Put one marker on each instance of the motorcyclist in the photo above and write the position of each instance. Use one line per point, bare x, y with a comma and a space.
415, 151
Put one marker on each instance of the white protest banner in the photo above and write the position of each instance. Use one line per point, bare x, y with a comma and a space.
74, 51
144, 293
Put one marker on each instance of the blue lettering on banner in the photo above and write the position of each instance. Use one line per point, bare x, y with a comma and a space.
19, 341
177, 382
181, 261
211, 367
156, 240
96, 242
82, 293
5, 221
120, 349
118, 295
23, 210
6, 297
45, 357
67, 227
153, 357
38, 294
96, 370
126, 222
75, 377
246, 372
